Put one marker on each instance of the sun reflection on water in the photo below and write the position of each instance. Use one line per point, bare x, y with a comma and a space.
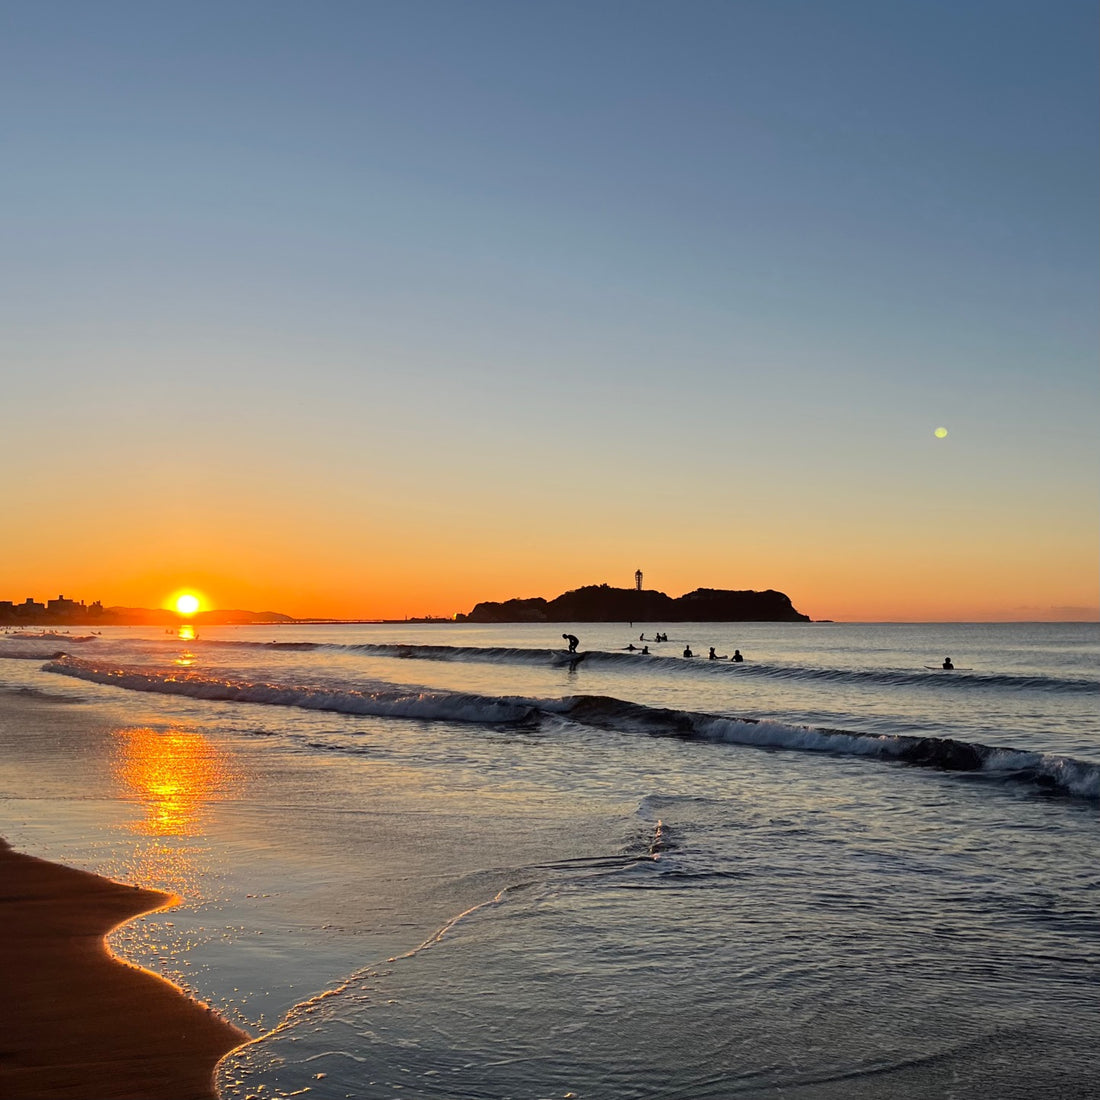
174, 774
171, 777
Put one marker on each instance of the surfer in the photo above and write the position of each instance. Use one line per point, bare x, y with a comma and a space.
687, 651
737, 656
632, 647
573, 641
947, 663
645, 649
714, 656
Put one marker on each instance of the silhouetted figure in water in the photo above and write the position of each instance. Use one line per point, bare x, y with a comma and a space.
714, 656
687, 651
737, 656
947, 663
645, 649
573, 641
632, 647
641, 637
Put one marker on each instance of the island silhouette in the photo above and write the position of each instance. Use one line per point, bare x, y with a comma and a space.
600, 603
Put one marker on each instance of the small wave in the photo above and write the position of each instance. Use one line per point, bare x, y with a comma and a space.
48, 636
493, 654
32, 655
956, 680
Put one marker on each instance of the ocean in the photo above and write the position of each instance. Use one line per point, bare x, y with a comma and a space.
446, 861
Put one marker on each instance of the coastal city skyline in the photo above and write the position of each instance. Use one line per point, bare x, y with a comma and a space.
390, 309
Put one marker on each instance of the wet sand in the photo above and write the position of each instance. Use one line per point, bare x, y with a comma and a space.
77, 1022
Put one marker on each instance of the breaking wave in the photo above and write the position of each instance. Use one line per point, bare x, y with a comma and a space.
1061, 774
395, 703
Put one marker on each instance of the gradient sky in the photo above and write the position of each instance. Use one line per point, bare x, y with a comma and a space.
381, 309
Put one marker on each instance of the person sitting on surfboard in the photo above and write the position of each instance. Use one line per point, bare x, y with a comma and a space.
737, 656
947, 663
714, 656
573, 641
687, 651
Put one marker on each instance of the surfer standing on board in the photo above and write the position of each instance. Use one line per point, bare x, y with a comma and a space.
573, 641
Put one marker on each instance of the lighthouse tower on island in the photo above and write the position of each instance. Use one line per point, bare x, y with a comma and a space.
638, 579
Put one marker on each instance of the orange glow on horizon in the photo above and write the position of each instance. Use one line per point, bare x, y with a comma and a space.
941, 571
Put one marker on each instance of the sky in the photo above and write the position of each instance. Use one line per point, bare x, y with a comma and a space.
365, 309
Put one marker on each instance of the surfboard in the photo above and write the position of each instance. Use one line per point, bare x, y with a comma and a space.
940, 668
568, 658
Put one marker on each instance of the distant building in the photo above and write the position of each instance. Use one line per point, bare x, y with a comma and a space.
53, 613
61, 606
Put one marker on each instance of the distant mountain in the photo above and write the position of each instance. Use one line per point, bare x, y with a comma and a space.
227, 618
95, 615
603, 604
144, 616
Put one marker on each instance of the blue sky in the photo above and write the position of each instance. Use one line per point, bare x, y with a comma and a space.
554, 276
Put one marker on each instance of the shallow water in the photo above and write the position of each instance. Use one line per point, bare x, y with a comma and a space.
435, 860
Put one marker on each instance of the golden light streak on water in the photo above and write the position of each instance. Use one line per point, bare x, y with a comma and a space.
174, 774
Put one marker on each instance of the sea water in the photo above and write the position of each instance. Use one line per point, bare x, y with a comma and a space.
446, 860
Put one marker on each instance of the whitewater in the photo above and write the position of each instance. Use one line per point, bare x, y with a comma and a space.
450, 860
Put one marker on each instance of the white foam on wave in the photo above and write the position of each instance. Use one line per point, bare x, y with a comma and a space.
783, 735
445, 706
1076, 777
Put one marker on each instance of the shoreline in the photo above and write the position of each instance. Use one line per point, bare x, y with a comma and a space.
78, 1021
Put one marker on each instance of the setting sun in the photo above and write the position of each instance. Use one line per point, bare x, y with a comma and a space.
187, 604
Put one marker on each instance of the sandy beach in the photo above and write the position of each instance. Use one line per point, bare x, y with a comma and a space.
77, 1021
